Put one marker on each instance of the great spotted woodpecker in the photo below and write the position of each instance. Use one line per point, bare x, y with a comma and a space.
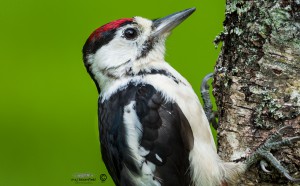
153, 130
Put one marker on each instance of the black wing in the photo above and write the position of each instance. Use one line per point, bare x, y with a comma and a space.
166, 135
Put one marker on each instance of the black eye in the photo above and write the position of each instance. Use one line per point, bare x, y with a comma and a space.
130, 33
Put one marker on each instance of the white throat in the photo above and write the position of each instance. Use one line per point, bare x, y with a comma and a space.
108, 66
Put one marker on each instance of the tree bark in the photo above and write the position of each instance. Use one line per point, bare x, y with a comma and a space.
257, 83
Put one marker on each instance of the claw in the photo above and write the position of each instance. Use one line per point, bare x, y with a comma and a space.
291, 178
263, 165
283, 142
278, 135
282, 130
263, 152
210, 114
294, 139
204, 85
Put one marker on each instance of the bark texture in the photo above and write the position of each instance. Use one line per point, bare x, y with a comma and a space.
257, 82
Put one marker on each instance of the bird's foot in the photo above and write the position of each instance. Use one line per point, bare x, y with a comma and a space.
210, 114
264, 155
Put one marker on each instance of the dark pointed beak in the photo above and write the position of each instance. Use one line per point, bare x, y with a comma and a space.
168, 23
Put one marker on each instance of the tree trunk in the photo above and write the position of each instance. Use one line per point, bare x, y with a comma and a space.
257, 83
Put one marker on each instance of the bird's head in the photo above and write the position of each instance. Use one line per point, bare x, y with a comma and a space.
124, 47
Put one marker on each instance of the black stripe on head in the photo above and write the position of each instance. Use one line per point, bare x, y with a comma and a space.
146, 48
90, 47
99, 38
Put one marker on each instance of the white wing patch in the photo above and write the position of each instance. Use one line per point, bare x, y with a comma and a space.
143, 151
158, 158
134, 132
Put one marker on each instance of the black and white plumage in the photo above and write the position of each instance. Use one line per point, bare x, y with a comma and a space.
153, 130
139, 131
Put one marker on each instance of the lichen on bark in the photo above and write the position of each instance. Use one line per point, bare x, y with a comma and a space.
257, 82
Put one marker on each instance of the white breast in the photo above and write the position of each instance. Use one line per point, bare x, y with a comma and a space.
206, 167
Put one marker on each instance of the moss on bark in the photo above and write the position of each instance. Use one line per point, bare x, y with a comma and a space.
257, 81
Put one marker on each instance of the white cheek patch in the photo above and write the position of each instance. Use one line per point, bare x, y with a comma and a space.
115, 53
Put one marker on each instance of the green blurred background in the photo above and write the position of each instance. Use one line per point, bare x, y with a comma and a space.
48, 112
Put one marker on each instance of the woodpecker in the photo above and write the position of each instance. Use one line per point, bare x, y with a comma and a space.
153, 130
